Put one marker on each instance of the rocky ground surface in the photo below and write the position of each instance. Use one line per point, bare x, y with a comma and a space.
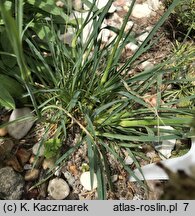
19, 143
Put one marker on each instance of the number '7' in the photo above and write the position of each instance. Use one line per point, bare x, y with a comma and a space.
186, 205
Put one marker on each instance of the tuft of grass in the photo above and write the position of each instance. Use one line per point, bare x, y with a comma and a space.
184, 13
182, 79
81, 86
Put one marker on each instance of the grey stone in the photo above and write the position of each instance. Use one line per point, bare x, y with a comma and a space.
58, 189
38, 150
70, 179
19, 129
11, 184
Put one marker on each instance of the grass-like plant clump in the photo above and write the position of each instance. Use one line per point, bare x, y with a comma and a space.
183, 14
182, 79
82, 87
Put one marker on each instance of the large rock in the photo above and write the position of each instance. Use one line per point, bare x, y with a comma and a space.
20, 128
11, 184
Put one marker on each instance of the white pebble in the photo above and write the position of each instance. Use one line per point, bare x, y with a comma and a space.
141, 10
85, 181
114, 178
131, 46
128, 160
154, 4
142, 37
77, 4
129, 25
146, 65
57, 171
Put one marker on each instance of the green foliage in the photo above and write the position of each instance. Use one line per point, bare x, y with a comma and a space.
184, 12
52, 147
183, 76
10, 91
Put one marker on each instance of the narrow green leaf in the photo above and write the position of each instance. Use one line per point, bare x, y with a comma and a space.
6, 100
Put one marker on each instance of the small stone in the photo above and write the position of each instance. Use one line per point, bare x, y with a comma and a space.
131, 46
119, 3
128, 160
151, 154
129, 25
142, 37
77, 4
3, 132
23, 155
58, 189
73, 170
70, 179
5, 147
146, 65
11, 184
114, 178
48, 163
31, 175
115, 21
57, 171
126, 8
60, 4
19, 129
32, 159
85, 181
38, 150
14, 163
149, 28
120, 177
27, 167
112, 9
141, 10
154, 4
104, 35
